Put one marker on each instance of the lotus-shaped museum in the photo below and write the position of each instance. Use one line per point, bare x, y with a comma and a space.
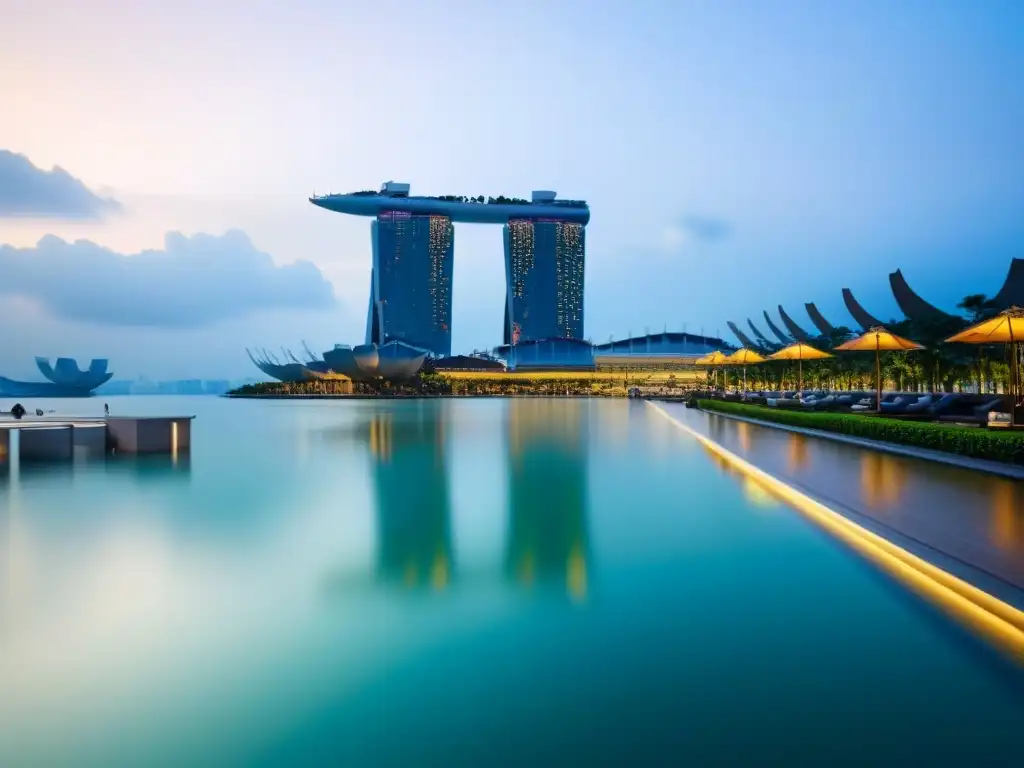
64, 379
393, 361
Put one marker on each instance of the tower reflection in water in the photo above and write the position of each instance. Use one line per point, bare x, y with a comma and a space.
548, 542
408, 453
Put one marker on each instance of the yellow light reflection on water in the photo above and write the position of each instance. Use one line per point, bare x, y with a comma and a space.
380, 438
882, 479
439, 572
757, 494
576, 574
999, 623
743, 432
797, 457
1007, 511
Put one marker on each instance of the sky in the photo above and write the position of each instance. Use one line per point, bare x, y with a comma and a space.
156, 161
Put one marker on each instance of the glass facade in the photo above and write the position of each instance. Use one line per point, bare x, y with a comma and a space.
411, 293
544, 263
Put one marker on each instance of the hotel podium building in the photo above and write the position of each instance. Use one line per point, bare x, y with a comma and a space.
413, 261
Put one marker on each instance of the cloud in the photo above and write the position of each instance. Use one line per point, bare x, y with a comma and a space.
704, 229
30, 192
689, 230
194, 281
694, 229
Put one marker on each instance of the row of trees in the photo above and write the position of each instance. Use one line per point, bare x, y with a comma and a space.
939, 367
499, 200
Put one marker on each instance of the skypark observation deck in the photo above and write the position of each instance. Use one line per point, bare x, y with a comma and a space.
469, 210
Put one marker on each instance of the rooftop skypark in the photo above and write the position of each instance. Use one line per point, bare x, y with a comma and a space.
394, 196
480, 199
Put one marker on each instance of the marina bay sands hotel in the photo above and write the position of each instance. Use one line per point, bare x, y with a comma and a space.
413, 242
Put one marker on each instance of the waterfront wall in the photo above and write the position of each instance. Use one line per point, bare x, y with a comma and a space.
46, 443
149, 435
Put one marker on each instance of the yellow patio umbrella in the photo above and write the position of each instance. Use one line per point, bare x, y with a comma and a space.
799, 352
715, 358
1005, 328
744, 357
879, 339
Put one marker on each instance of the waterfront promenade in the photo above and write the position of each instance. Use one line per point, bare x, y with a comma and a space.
967, 522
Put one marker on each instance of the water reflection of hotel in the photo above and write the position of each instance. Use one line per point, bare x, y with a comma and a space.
414, 542
548, 541
547, 538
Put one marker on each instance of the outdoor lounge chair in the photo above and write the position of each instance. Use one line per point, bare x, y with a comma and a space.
921, 406
944, 404
899, 404
971, 412
824, 403
864, 403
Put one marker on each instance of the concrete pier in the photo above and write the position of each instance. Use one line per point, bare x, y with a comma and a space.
51, 439
149, 435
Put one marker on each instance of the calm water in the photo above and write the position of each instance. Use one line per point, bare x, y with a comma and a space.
522, 582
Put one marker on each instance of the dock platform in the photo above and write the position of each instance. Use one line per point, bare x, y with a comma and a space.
49, 438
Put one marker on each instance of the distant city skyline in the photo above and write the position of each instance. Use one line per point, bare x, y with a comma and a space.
734, 159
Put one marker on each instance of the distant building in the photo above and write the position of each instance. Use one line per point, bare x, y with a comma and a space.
659, 350
544, 266
117, 387
172, 387
468, 363
548, 355
668, 345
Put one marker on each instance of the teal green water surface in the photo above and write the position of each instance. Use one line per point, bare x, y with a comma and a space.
478, 582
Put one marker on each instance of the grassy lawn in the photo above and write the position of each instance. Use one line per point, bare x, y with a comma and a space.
978, 443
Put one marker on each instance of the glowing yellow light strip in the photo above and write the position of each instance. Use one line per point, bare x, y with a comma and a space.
999, 622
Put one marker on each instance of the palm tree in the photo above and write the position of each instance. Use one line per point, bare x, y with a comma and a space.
978, 307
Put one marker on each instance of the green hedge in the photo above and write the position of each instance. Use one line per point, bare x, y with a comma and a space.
975, 442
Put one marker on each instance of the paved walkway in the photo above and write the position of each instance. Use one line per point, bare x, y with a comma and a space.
968, 522
943, 457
